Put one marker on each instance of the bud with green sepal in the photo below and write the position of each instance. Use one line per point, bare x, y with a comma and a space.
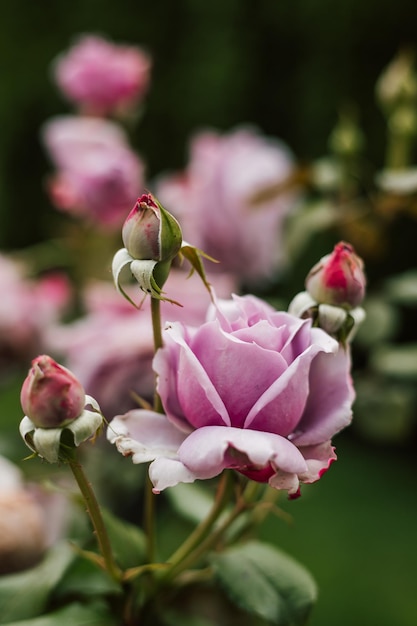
153, 238
55, 405
335, 287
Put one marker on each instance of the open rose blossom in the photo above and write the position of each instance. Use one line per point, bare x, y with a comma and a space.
103, 77
252, 389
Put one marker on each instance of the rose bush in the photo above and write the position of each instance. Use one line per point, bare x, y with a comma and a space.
252, 389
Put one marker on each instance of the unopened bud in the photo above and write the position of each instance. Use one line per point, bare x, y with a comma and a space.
150, 232
51, 395
338, 278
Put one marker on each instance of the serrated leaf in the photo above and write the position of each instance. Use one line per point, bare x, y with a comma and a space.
266, 582
25, 595
73, 615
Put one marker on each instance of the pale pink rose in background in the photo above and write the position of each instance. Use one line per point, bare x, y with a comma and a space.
31, 520
110, 349
212, 199
102, 77
98, 176
27, 308
253, 389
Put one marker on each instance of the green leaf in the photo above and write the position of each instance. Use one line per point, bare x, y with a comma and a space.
128, 541
26, 594
194, 257
266, 582
73, 615
85, 579
191, 500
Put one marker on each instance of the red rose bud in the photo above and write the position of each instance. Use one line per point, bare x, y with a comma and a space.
338, 278
150, 232
51, 396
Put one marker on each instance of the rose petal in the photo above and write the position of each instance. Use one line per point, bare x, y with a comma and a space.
219, 353
280, 407
205, 451
144, 435
165, 472
197, 397
329, 408
318, 458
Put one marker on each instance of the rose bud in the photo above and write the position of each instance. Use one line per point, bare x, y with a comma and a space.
51, 395
338, 278
150, 232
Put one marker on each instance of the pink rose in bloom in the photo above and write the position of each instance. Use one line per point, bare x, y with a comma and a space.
27, 309
252, 389
51, 395
102, 77
212, 200
338, 278
110, 348
98, 176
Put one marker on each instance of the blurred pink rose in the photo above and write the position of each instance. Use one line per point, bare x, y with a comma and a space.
31, 520
102, 77
212, 200
27, 309
253, 389
111, 348
98, 176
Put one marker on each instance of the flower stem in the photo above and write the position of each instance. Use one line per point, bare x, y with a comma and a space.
200, 533
158, 342
96, 518
149, 505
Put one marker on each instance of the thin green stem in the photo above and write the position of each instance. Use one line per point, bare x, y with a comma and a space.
200, 533
158, 342
96, 518
149, 505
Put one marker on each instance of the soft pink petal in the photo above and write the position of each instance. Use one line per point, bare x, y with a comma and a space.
280, 407
329, 406
144, 435
165, 472
195, 392
238, 387
209, 450
318, 459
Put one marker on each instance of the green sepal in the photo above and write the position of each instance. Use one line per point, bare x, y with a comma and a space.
194, 257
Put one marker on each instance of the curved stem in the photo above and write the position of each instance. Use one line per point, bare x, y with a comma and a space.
94, 512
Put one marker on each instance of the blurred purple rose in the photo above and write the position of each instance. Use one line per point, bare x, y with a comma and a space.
213, 202
98, 176
252, 389
111, 348
102, 77
31, 520
27, 308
